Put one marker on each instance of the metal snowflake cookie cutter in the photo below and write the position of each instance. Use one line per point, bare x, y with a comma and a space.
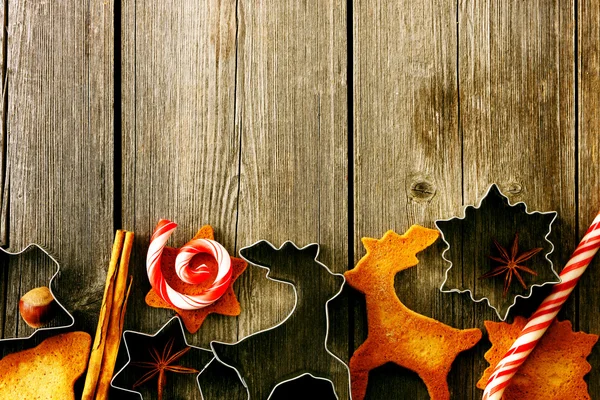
63, 319
138, 349
469, 242
254, 356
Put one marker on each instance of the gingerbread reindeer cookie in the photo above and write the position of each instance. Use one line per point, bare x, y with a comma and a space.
396, 333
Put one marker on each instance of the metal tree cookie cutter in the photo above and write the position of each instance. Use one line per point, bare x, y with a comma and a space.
290, 350
63, 319
139, 349
469, 243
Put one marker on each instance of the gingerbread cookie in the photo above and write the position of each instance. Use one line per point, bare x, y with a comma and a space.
397, 334
554, 369
47, 371
228, 304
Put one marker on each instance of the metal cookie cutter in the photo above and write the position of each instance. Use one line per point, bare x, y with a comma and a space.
297, 346
469, 243
63, 318
138, 346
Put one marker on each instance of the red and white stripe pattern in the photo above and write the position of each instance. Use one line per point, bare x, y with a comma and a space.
540, 321
161, 234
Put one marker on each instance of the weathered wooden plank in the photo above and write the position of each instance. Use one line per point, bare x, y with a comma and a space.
292, 116
59, 148
407, 156
180, 148
588, 56
3, 186
4, 108
517, 118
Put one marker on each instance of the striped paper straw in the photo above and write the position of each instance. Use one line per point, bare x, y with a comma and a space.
540, 321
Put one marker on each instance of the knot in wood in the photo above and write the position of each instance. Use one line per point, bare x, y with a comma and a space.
515, 188
422, 191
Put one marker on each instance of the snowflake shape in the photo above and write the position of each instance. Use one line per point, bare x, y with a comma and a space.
470, 240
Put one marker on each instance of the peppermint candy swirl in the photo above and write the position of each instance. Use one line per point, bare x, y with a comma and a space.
184, 271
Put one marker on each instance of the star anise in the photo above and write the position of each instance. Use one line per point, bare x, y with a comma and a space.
162, 363
511, 264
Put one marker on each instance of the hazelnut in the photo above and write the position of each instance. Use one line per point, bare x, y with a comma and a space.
37, 307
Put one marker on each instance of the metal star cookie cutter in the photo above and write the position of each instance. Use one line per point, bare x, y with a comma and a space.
222, 350
494, 217
161, 331
70, 319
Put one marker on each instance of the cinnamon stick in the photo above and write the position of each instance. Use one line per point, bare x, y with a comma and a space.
95, 361
105, 376
116, 320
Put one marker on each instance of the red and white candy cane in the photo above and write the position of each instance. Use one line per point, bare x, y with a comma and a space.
161, 234
540, 321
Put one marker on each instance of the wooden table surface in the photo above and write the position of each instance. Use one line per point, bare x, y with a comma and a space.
310, 121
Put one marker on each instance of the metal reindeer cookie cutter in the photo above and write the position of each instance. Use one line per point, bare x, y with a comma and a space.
469, 243
63, 319
260, 375
138, 350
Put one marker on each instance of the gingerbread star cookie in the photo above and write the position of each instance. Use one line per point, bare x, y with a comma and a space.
397, 334
228, 304
554, 369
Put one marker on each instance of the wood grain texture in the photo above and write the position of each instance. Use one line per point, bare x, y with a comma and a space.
180, 151
407, 156
3, 186
59, 148
180, 148
292, 117
234, 113
588, 196
4, 108
515, 67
